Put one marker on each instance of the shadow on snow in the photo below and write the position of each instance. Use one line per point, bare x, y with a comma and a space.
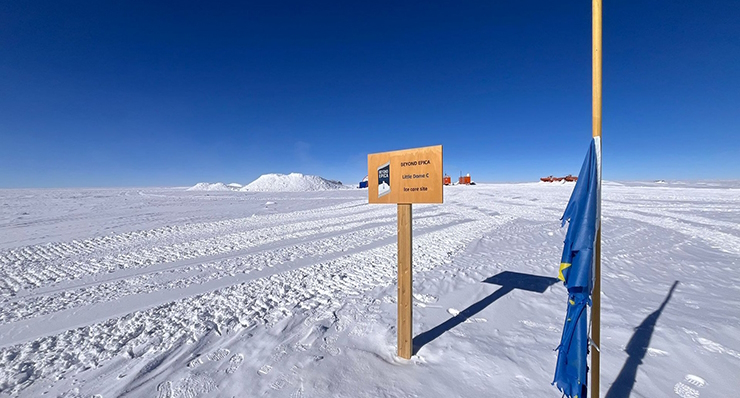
636, 349
508, 281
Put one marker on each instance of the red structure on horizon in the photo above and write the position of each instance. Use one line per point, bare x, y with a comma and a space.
569, 178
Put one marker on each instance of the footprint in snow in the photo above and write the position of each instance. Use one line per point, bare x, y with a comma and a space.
359, 330
280, 351
280, 383
685, 390
331, 349
164, 389
234, 363
425, 298
301, 346
218, 355
195, 363
695, 380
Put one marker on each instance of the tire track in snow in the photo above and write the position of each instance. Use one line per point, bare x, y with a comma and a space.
118, 305
260, 301
105, 244
180, 275
32, 274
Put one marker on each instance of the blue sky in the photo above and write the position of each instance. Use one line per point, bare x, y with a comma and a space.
138, 93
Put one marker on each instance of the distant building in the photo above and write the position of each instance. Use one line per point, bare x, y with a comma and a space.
464, 180
569, 178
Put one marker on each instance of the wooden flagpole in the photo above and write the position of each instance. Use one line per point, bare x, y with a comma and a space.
596, 127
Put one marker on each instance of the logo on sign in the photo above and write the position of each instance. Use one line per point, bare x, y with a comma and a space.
384, 179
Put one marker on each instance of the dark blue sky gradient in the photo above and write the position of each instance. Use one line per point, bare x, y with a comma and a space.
130, 93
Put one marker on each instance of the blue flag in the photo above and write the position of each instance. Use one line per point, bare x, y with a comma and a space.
576, 271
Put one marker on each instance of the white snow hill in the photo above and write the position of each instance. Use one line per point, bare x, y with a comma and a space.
293, 182
204, 186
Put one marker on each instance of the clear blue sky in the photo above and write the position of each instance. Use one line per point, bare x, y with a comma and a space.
133, 93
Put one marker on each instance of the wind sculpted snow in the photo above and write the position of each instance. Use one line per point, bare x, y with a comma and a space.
169, 293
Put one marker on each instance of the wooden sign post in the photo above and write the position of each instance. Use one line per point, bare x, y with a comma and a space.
405, 313
405, 177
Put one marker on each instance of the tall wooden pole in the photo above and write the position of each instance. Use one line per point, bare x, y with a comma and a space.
596, 112
405, 337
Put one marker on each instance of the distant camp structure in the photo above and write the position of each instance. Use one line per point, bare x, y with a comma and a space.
363, 183
465, 180
568, 178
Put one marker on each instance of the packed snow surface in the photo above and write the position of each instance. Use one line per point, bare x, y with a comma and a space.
172, 293
293, 182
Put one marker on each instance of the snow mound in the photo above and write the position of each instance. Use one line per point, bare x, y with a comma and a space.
293, 182
204, 186
234, 185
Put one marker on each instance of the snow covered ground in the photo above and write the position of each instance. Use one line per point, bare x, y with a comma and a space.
174, 293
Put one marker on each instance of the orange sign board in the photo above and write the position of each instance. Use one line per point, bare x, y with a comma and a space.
407, 176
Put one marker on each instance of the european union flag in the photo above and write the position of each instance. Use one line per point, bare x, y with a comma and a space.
576, 270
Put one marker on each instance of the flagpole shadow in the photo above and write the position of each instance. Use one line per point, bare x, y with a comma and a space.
508, 280
636, 350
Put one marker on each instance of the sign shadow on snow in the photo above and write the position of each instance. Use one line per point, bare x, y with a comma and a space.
636, 350
508, 280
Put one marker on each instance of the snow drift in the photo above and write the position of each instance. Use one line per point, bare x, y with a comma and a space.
293, 182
